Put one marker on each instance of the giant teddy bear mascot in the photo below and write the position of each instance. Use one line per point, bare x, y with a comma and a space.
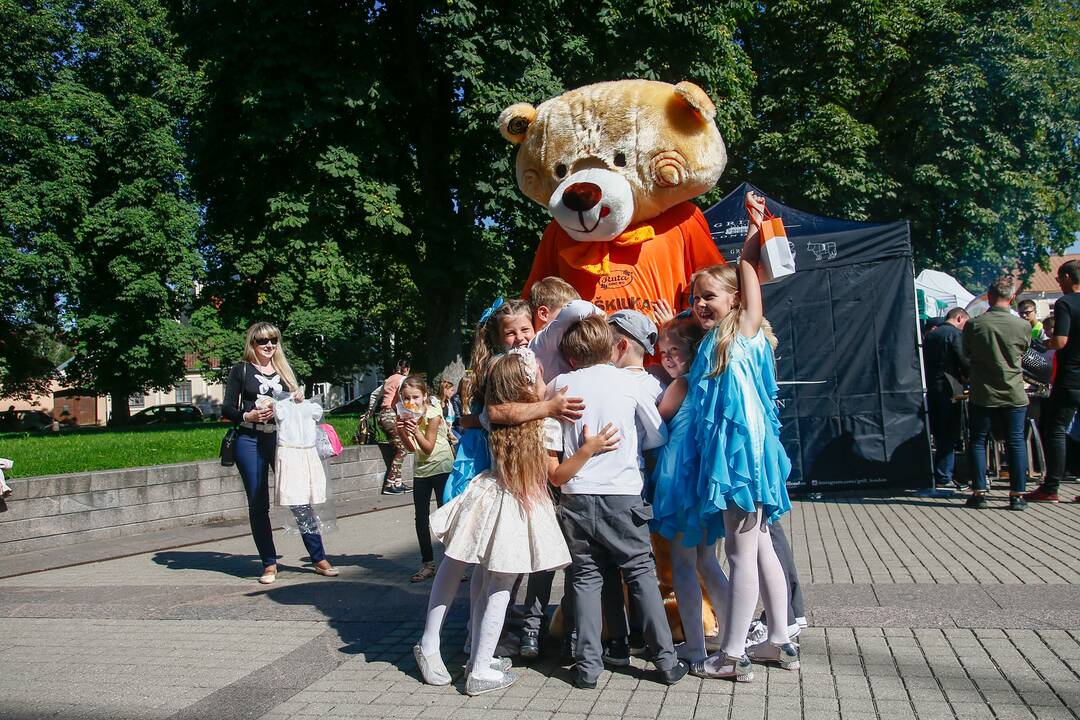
616, 164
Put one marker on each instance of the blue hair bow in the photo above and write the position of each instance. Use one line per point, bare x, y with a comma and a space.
487, 313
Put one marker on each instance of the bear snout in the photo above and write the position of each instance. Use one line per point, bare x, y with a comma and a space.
582, 196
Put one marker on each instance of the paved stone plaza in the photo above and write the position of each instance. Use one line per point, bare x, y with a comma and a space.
918, 609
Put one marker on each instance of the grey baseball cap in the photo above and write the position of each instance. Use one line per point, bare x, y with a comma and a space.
637, 326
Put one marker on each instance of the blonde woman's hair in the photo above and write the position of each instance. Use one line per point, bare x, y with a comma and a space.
517, 451
728, 326
552, 292
265, 330
486, 343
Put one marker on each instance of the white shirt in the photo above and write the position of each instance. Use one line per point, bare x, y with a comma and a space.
546, 343
618, 397
650, 387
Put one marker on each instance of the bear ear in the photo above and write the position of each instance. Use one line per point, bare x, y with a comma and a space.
697, 99
515, 120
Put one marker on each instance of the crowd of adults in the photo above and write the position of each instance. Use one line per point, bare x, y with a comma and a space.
1006, 367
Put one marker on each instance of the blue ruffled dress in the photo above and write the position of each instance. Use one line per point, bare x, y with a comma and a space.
724, 448
738, 433
675, 499
472, 458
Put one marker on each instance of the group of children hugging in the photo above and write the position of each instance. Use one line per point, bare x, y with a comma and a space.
550, 473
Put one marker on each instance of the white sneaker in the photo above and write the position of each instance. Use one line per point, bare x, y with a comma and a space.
801, 622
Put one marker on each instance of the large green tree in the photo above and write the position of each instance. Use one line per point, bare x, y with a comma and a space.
44, 185
960, 115
357, 189
95, 200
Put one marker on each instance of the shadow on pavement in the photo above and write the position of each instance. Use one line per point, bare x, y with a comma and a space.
242, 566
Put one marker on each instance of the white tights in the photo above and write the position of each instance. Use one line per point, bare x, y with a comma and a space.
489, 596
753, 565
688, 564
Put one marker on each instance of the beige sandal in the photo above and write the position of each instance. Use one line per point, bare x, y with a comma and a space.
426, 572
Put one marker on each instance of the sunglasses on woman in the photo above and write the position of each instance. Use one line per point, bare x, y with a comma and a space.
266, 341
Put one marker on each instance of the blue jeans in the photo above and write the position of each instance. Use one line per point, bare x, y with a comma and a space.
254, 454
1012, 420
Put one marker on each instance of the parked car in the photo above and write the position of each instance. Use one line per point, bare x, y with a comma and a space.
26, 421
168, 415
356, 406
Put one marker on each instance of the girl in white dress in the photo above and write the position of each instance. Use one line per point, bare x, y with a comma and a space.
504, 522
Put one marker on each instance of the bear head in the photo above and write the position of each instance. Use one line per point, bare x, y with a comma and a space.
605, 156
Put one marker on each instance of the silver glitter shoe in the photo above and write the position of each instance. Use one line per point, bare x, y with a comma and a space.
477, 686
786, 655
432, 675
499, 664
726, 667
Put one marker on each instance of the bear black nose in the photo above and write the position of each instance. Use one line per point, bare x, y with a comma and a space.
582, 196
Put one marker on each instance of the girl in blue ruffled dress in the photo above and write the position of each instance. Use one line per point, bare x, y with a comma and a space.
742, 468
675, 499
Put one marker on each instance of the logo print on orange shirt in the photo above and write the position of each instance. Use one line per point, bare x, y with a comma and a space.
617, 279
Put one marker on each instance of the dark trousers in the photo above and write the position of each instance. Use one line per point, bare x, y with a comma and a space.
945, 427
612, 531
538, 595
1057, 414
796, 603
254, 454
1011, 420
422, 490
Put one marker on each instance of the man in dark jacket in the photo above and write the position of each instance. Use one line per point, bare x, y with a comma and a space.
946, 369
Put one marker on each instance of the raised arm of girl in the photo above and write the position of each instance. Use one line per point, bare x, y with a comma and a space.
749, 285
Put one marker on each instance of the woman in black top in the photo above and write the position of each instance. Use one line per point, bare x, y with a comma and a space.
264, 372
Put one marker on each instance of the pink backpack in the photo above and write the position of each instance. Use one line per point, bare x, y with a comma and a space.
332, 436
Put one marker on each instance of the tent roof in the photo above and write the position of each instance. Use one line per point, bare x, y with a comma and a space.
817, 241
943, 286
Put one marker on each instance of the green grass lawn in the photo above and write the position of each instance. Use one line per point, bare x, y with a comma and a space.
110, 449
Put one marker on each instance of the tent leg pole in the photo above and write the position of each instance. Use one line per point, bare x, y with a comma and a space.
933, 491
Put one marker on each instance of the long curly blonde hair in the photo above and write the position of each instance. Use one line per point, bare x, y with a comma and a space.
727, 328
517, 451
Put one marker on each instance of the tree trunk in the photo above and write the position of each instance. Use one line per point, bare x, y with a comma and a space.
443, 337
121, 412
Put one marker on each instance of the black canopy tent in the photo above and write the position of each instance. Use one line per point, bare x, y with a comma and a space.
848, 359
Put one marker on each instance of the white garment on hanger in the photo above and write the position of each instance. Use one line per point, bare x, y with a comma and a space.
5, 464
298, 470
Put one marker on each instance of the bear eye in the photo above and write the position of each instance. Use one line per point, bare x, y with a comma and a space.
620, 159
560, 171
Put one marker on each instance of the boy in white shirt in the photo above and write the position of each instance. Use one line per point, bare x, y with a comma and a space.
604, 519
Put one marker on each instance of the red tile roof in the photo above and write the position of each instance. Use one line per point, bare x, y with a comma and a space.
1045, 281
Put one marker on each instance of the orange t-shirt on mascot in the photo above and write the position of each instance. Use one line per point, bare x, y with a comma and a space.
652, 260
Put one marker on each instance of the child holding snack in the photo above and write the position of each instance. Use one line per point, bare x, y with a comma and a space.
422, 431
